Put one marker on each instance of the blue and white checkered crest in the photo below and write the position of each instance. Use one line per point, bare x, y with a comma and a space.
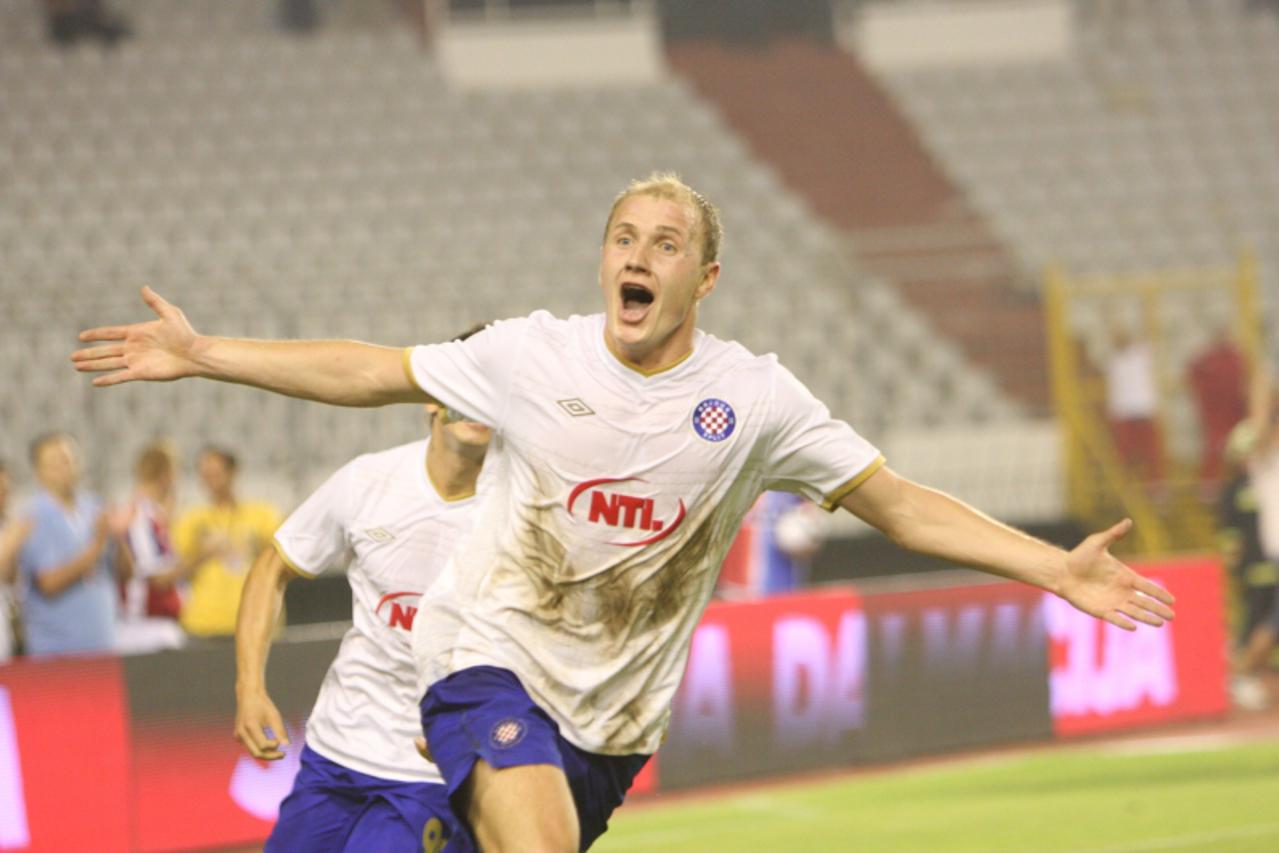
714, 420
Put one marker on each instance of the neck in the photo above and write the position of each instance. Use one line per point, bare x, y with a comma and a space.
452, 467
224, 499
672, 351
64, 496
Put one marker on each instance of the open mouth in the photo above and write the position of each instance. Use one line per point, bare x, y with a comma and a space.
635, 301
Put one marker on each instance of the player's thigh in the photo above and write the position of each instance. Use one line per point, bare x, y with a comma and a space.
528, 808
313, 819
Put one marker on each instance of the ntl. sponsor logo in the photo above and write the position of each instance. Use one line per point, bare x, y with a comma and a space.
628, 512
400, 614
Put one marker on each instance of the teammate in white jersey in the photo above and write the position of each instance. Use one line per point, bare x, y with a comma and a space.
391, 519
628, 447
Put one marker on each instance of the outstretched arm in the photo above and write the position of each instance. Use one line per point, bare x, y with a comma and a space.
260, 604
934, 523
344, 373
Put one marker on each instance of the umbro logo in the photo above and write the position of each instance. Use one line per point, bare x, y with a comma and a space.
575, 407
380, 534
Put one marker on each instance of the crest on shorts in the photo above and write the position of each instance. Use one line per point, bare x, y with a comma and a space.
714, 420
507, 733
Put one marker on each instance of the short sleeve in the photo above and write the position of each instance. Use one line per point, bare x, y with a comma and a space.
314, 538
472, 376
810, 452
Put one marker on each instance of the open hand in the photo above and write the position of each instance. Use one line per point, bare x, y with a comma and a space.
160, 350
1100, 585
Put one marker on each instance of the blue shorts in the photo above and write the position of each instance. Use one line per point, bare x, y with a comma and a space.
333, 808
484, 713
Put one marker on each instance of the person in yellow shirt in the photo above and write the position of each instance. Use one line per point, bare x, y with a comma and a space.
220, 540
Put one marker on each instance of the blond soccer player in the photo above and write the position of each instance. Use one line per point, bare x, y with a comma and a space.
628, 446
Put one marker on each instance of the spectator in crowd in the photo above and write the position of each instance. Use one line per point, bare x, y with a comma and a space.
1263, 470
68, 21
1241, 550
13, 533
220, 541
774, 547
1218, 381
70, 560
151, 600
1132, 407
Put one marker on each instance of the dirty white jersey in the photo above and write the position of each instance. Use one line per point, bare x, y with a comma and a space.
381, 519
614, 497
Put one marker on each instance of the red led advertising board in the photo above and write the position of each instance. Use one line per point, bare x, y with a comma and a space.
63, 756
1104, 678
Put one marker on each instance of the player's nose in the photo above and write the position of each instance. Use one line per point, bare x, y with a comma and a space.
637, 260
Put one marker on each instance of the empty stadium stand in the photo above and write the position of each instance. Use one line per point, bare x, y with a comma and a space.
338, 186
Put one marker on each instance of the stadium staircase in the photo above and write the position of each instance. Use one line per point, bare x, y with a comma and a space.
1147, 151
814, 113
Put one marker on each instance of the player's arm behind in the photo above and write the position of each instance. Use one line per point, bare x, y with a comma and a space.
258, 724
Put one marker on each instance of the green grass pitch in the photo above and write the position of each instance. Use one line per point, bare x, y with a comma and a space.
1186, 795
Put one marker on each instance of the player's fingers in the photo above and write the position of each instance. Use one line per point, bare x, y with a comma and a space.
1120, 621
248, 735
100, 365
1155, 606
104, 333
1115, 533
1155, 591
155, 301
90, 353
116, 378
265, 745
1138, 614
276, 723
423, 750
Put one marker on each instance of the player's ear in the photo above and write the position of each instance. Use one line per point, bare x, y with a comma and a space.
709, 276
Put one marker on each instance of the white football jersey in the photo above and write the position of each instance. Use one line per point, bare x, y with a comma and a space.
614, 497
379, 515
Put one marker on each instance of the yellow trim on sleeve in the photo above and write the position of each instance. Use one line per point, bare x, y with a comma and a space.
833, 499
407, 361
279, 549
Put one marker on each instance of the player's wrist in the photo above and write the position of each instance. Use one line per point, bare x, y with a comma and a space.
250, 689
202, 357
1059, 574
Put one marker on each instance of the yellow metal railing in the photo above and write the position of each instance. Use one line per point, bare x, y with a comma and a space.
1099, 485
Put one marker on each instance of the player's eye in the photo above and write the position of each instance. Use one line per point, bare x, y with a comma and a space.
668, 246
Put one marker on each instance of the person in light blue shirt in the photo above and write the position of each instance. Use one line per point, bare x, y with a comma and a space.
69, 564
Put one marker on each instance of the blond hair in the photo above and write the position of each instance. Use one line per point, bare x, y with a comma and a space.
669, 186
155, 461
